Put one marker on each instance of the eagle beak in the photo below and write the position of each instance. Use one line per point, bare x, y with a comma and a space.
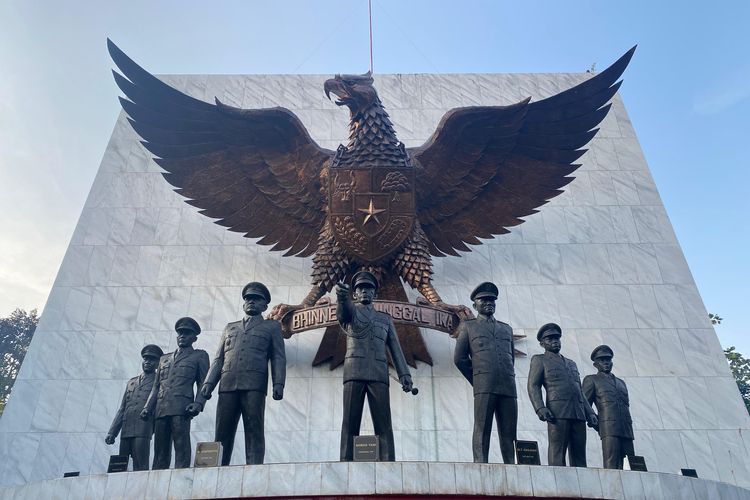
328, 86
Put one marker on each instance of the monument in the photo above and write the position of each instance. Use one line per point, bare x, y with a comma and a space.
600, 259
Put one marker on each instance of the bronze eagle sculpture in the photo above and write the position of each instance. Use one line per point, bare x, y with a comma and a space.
372, 204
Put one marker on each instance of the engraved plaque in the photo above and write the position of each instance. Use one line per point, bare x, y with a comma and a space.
527, 453
118, 463
366, 449
636, 463
208, 454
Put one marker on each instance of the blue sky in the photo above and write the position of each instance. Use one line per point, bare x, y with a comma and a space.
686, 90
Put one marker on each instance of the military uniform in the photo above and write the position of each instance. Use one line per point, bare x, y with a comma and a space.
135, 432
484, 355
368, 335
562, 383
172, 392
241, 370
610, 395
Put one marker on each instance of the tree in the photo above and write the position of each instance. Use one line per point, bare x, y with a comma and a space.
15, 336
740, 367
715, 318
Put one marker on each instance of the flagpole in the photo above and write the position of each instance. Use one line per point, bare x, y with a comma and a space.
369, 8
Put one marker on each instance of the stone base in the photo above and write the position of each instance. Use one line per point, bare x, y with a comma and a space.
409, 479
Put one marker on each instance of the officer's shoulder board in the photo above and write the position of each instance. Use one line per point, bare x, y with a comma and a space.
502, 323
233, 325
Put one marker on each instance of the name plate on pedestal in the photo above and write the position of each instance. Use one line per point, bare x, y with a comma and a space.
527, 453
208, 454
118, 463
366, 449
689, 472
636, 463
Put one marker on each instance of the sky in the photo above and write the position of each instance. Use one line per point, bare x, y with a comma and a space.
686, 91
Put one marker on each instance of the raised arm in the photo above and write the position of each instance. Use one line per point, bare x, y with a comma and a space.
344, 305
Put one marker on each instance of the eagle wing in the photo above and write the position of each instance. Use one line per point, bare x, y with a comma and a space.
503, 162
256, 171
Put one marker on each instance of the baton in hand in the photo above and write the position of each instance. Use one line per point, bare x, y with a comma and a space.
414, 390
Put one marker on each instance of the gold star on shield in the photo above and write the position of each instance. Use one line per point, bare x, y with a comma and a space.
371, 212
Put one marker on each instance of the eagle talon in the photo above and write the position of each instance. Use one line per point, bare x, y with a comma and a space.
281, 310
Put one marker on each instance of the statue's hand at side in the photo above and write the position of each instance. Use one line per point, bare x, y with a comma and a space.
193, 409
206, 391
593, 421
145, 414
406, 383
545, 415
278, 392
110, 439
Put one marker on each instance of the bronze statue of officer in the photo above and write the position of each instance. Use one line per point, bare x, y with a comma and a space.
135, 433
172, 400
610, 395
484, 355
564, 410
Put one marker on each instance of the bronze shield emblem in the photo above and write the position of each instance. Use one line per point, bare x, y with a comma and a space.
372, 210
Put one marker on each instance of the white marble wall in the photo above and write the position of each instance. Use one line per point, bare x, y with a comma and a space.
601, 260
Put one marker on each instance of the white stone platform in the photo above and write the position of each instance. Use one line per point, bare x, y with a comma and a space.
403, 478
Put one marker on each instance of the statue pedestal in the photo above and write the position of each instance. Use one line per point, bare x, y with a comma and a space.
402, 479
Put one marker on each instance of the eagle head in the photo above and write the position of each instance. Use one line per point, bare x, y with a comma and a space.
353, 91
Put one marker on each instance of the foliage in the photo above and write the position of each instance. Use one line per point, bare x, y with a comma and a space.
15, 335
740, 367
715, 318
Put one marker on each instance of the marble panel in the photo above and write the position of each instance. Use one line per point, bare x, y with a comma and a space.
108, 395
76, 407
646, 188
672, 409
698, 454
625, 189
644, 409
653, 224
158, 483
629, 154
545, 304
543, 481
25, 396
76, 308
125, 314
136, 484
415, 478
74, 266
623, 225
50, 455
79, 452
174, 306
611, 483
262, 481
97, 486
566, 481
442, 478
307, 479
46, 417
99, 265
124, 266
595, 306
645, 307
602, 227
550, 264
672, 358
695, 311
102, 306
555, 225
589, 482
148, 265
116, 486
574, 264
622, 263
335, 477
520, 307
577, 222
570, 306
723, 393
519, 480
620, 306
597, 264
670, 306
230, 481
19, 469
